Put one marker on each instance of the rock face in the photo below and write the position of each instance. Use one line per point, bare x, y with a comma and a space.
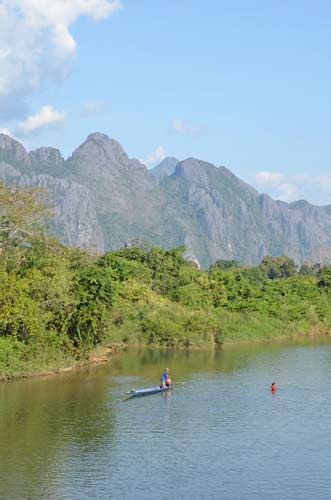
102, 199
48, 158
126, 193
165, 168
231, 220
13, 151
74, 217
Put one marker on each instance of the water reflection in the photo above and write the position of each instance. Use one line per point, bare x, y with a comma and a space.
44, 422
220, 434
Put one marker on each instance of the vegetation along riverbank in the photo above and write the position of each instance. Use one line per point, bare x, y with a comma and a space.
59, 305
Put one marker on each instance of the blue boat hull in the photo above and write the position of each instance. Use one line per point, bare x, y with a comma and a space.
146, 392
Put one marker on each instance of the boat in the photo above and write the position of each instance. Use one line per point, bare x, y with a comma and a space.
145, 392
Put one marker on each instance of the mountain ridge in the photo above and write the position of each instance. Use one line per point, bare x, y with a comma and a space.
104, 199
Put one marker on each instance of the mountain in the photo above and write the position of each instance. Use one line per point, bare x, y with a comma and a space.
165, 168
227, 218
73, 204
103, 199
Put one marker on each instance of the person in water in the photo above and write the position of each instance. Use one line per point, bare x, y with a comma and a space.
165, 379
273, 387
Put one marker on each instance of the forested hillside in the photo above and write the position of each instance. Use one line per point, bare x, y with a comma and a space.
58, 304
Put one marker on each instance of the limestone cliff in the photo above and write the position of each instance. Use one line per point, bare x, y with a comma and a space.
102, 199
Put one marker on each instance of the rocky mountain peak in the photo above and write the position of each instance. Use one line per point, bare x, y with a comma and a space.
165, 168
101, 158
11, 150
49, 157
194, 171
301, 205
98, 136
101, 148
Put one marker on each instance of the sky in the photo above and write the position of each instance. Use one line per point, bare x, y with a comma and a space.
241, 84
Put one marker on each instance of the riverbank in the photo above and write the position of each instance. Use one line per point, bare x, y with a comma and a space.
103, 354
39, 367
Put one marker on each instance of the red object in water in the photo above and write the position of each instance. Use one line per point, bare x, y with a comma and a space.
273, 387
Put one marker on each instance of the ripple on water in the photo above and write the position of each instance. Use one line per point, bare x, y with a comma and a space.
220, 435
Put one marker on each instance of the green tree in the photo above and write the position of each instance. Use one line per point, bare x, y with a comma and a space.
309, 269
223, 264
21, 212
278, 267
94, 289
324, 278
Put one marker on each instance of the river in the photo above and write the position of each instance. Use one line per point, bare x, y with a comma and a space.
219, 435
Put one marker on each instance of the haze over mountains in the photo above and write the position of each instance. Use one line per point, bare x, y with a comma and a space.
103, 199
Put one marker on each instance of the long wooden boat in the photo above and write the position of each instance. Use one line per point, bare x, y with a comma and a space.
145, 392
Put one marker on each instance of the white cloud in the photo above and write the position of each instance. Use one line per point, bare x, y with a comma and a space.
267, 178
181, 127
156, 157
290, 192
36, 44
5, 131
325, 181
47, 115
315, 189
95, 106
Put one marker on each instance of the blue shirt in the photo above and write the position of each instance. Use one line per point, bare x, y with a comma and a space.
164, 376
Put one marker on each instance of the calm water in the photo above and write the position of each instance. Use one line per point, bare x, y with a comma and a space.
221, 435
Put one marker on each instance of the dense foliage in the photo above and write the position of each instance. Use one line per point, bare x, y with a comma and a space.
57, 304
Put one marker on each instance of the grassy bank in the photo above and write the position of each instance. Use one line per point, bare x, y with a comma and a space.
19, 360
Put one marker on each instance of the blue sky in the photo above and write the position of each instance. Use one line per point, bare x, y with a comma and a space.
241, 84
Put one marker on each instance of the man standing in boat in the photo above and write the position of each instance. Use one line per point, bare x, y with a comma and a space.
165, 379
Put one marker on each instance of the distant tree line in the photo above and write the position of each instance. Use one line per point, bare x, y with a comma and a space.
279, 267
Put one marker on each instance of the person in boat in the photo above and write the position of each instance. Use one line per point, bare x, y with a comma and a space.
273, 387
165, 379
